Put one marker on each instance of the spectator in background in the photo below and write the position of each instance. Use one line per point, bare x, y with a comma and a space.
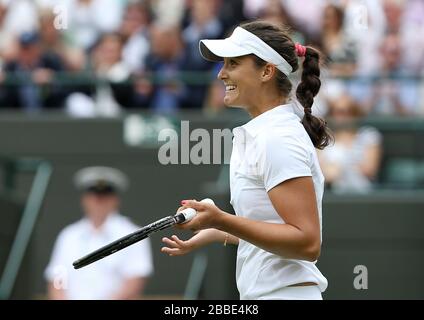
110, 89
134, 30
307, 15
394, 92
29, 79
393, 11
364, 23
231, 13
204, 24
213, 105
411, 31
169, 12
369, 21
88, 19
52, 41
276, 13
353, 162
336, 45
120, 276
21, 16
163, 93
251, 8
8, 47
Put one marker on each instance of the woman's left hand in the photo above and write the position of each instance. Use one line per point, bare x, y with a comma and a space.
207, 215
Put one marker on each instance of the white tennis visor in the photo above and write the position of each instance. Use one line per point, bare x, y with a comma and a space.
242, 43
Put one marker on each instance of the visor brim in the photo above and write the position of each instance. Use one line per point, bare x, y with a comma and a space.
217, 50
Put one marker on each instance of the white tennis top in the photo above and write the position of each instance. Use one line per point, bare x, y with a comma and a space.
269, 149
101, 279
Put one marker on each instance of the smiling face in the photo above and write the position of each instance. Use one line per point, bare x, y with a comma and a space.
242, 80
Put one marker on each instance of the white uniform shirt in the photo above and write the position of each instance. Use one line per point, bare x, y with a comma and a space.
104, 277
269, 149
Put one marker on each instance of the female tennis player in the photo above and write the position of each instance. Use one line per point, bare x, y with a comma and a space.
275, 178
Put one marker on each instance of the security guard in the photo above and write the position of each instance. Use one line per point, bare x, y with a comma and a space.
119, 276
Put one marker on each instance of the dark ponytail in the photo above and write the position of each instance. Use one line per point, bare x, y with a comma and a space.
278, 38
306, 91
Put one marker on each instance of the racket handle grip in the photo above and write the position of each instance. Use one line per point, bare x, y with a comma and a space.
189, 213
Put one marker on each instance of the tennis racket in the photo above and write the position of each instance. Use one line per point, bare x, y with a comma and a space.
181, 217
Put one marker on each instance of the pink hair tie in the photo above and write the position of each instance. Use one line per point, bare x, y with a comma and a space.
300, 50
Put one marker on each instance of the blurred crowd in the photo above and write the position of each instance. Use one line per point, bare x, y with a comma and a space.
99, 57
